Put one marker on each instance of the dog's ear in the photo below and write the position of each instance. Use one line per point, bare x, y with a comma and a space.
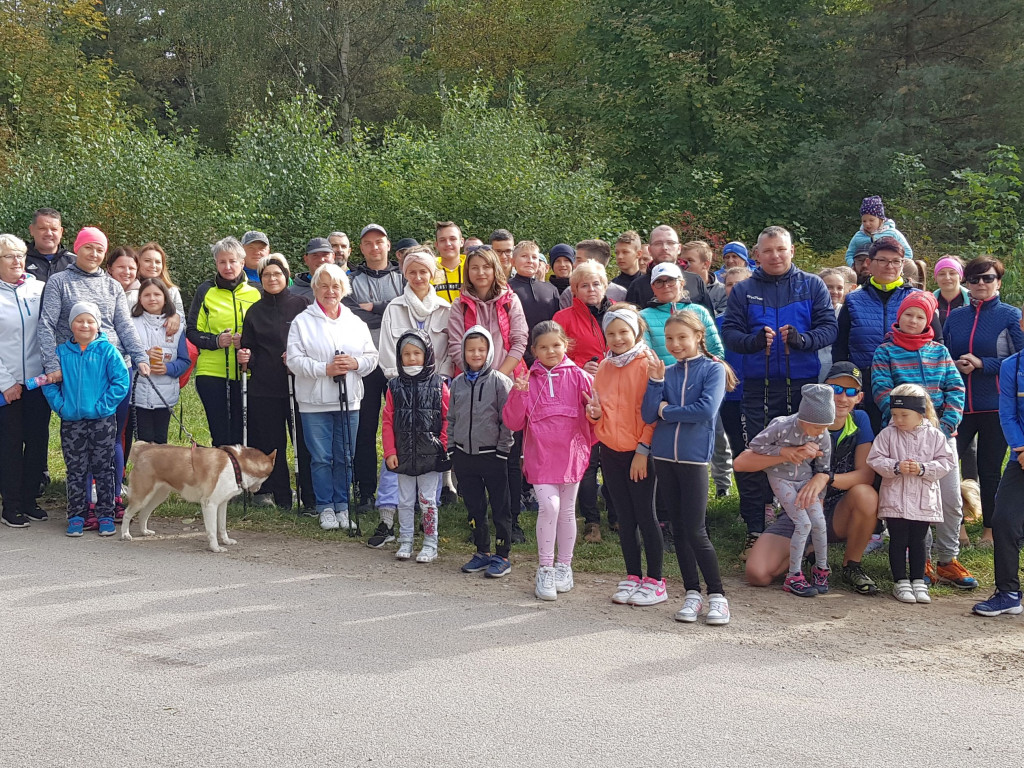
273, 455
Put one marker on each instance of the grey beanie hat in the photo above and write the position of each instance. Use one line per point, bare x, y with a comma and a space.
817, 405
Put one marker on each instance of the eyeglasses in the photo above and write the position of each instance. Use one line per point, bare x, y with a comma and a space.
975, 279
889, 262
663, 281
13, 256
849, 391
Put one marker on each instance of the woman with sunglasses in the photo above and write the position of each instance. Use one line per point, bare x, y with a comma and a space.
979, 337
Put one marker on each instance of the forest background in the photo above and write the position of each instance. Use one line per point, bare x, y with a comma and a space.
185, 120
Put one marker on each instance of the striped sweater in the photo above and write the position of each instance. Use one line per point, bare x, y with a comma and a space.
930, 367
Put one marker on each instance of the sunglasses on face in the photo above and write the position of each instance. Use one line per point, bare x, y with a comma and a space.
848, 391
975, 279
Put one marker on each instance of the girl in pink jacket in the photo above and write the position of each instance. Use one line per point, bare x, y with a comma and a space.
911, 455
549, 404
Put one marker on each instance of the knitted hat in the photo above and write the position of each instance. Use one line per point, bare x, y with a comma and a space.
872, 206
90, 235
418, 343
817, 406
921, 299
84, 308
564, 251
419, 257
947, 262
736, 247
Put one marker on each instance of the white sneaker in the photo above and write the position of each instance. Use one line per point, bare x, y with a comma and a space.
404, 550
718, 610
903, 592
625, 590
545, 583
429, 552
920, 591
343, 521
328, 521
651, 592
563, 577
693, 604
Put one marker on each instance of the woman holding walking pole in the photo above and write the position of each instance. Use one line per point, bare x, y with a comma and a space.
264, 337
324, 341
214, 326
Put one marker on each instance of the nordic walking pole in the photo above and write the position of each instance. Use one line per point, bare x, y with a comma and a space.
295, 443
245, 406
789, 380
767, 366
342, 380
227, 384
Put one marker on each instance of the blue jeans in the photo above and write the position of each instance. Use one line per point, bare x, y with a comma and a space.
331, 444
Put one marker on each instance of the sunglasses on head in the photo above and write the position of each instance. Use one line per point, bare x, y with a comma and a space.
975, 279
849, 391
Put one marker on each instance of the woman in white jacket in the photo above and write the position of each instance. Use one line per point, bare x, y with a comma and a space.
324, 342
25, 420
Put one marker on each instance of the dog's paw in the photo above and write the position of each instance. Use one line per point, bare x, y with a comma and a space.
125, 536
217, 548
148, 532
228, 541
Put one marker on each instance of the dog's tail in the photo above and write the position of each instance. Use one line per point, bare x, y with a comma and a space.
970, 493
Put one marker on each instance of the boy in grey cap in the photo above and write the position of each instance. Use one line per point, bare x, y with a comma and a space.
802, 439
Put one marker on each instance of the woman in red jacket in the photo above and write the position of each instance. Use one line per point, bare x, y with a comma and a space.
587, 347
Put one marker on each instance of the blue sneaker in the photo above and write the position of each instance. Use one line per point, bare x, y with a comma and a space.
479, 562
499, 567
107, 527
75, 526
1000, 602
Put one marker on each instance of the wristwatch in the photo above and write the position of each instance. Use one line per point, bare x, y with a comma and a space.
831, 478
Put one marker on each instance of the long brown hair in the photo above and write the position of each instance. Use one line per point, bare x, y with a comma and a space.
491, 258
165, 274
692, 320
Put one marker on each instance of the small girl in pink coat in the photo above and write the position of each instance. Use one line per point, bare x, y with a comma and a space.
549, 403
911, 455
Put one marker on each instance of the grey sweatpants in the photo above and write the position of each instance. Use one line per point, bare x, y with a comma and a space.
810, 521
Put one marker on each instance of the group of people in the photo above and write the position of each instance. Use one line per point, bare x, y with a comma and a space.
512, 379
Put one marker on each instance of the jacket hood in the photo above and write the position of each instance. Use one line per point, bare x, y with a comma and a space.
480, 330
468, 297
428, 355
362, 269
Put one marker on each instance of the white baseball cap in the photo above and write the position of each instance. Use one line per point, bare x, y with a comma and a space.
666, 269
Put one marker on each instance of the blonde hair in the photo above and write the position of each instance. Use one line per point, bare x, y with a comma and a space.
692, 320
697, 246
915, 390
331, 273
12, 244
585, 270
524, 245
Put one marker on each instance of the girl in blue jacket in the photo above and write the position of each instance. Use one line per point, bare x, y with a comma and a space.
683, 404
95, 381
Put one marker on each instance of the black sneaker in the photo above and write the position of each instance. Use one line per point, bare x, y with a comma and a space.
310, 512
518, 537
37, 514
862, 584
365, 504
381, 536
14, 520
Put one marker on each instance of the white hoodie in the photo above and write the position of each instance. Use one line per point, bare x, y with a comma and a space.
312, 341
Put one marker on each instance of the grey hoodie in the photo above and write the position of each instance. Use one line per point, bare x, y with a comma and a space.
474, 407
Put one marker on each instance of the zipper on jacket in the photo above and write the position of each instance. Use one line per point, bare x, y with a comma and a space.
682, 402
970, 350
472, 389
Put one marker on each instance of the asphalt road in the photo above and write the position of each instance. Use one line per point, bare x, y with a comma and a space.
159, 653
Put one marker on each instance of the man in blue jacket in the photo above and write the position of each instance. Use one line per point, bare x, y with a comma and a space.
778, 319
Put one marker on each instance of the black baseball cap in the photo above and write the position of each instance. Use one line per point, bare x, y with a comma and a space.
847, 369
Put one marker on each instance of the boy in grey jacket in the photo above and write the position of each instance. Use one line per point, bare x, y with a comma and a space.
482, 442
803, 440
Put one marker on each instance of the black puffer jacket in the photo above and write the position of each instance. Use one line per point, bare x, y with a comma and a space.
265, 332
418, 406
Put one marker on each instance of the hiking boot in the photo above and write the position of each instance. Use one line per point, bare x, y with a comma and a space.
625, 590
563, 577
544, 584
477, 563
718, 610
854, 576
903, 591
797, 584
651, 592
381, 536
693, 604
592, 533
748, 544
14, 520
819, 578
954, 574
518, 537
1000, 603
500, 566
37, 514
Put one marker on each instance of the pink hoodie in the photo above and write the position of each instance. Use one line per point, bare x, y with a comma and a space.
557, 436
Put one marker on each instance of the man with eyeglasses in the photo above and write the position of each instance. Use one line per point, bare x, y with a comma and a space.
448, 242
778, 319
868, 315
851, 502
665, 247
502, 243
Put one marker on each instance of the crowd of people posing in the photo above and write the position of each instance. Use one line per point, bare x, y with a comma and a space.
852, 400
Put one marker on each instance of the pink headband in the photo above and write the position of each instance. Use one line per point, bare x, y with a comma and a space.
953, 264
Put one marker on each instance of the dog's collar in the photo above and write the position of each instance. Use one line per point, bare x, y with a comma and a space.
235, 466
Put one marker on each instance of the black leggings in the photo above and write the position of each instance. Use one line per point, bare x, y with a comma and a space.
906, 540
634, 503
684, 487
151, 424
989, 461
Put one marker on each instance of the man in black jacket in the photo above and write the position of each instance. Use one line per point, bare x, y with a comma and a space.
665, 246
46, 256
